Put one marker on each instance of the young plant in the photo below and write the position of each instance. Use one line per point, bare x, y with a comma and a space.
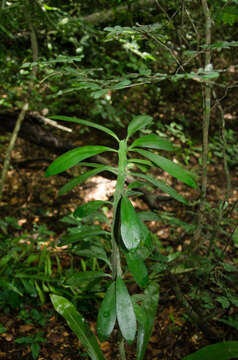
33, 341
130, 238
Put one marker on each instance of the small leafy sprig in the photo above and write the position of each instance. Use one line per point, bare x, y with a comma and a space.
129, 235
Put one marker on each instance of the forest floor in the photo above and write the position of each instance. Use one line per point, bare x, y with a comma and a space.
31, 199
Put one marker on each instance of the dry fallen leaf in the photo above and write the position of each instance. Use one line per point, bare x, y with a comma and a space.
26, 327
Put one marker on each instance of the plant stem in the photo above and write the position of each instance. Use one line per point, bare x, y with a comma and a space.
121, 179
224, 148
122, 350
115, 231
221, 208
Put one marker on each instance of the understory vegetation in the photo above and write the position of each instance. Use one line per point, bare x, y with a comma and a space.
118, 187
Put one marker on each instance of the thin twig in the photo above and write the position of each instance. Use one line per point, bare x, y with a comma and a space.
163, 10
221, 207
196, 32
160, 43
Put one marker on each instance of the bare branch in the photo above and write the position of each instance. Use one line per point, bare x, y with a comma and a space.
49, 121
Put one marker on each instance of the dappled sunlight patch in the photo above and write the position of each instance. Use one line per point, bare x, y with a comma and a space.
98, 188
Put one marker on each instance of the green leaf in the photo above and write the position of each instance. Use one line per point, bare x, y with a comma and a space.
146, 236
138, 123
86, 123
82, 178
24, 340
133, 193
88, 208
170, 167
35, 350
49, 7
140, 161
139, 311
122, 165
230, 322
2, 329
233, 300
8, 285
86, 85
77, 323
146, 319
73, 157
221, 45
6, 258
121, 85
130, 225
235, 237
136, 185
137, 268
223, 301
154, 142
83, 234
169, 219
40, 292
149, 216
93, 251
162, 186
209, 75
35, 277
107, 313
8, 33
125, 313
85, 276
230, 267
220, 351
100, 93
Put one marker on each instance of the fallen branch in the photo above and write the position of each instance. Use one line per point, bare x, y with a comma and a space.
49, 121
11, 146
